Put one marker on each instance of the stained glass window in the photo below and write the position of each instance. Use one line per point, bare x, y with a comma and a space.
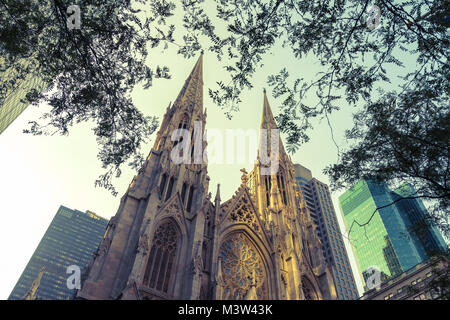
242, 268
162, 257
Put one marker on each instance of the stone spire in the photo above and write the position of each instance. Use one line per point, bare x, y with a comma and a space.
192, 91
267, 120
187, 108
31, 294
217, 198
268, 123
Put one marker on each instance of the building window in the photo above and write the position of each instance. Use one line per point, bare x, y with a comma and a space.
169, 188
241, 267
183, 122
162, 257
162, 185
183, 192
280, 180
268, 186
189, 202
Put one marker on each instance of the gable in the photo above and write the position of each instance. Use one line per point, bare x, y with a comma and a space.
174, 208
240, 209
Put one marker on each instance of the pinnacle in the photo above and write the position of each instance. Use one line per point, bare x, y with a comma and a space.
218, 193
193, 86
267, 115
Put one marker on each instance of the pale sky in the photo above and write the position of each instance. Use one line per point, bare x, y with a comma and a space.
40, 173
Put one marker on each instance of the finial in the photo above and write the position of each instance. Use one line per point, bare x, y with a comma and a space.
217, 193
264, 90
202, 52
244, 175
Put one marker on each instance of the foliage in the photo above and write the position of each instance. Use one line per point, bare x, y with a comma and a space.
90, 72
399, 133
401, 126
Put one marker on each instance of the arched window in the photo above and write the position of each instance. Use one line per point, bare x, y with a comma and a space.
159, 270
162, 185
308, 289
183, 122
183, 192
169, 188
268, 186
282, 187
182, 125
190, 196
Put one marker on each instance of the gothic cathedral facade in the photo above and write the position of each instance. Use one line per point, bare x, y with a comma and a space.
170, 240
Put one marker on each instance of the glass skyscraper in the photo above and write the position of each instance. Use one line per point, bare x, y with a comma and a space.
318, 199
13, 105
387, 242
71, 239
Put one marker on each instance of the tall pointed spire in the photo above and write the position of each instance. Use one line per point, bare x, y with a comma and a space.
188, 106
31, 294
267, 120
192, 90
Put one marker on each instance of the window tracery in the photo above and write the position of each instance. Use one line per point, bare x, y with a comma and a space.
162, 257
242, 269
242, 214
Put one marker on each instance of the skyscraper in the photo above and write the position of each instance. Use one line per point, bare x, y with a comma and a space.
428, 240
71, 239
318, 199
170, 240
13, 105
385, 238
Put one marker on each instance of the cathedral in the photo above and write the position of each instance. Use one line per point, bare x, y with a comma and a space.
170, 240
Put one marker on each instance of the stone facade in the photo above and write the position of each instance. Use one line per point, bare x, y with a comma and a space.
170, 240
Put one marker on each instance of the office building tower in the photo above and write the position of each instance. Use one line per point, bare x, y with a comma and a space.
318, 199
428, 240
385, 239
71, 239
13, 104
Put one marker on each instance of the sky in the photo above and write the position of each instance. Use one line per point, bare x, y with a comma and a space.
40, 173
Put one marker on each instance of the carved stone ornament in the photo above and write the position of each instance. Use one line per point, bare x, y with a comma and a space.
143, 246
197, 265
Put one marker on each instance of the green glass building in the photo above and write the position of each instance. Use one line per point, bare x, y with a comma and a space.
71, 239
13, 104
387, 242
